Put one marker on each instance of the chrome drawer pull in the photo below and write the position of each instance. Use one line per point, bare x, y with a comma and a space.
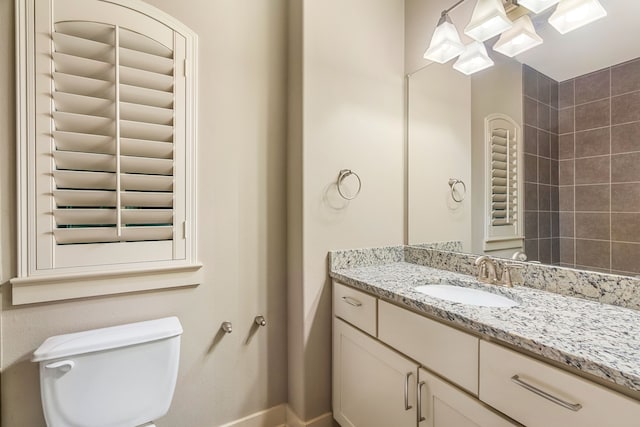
406, 391
573, 406
352, 301
420, 417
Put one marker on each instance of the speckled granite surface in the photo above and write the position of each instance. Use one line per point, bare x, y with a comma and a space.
599, 339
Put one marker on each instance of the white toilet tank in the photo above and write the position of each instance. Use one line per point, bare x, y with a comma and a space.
122, 376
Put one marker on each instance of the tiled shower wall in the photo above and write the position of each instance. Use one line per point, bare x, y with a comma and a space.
599, 169
541, 202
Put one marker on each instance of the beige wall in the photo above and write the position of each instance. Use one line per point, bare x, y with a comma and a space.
439, 148
351, 87
242, 182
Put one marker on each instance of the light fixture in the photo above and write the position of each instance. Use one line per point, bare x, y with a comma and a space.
445, 43
473, 59
489, 19
572, 14
537, 6
522, 36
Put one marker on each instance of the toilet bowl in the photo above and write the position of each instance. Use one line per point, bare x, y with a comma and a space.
121, 376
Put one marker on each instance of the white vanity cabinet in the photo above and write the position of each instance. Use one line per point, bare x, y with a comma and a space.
373, 386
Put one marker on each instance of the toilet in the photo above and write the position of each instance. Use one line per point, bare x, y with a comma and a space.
121, 376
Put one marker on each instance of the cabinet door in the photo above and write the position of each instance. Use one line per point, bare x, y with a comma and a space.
443, 405
373, 386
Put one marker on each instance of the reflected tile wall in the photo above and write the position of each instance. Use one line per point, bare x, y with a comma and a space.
542, 148
599, 172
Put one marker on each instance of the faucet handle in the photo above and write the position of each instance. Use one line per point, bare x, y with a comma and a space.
507, 270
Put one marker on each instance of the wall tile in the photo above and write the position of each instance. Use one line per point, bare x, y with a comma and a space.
553, 146
625, 108
554, 167
530, 112
566, 172
544, 170
554, 95
553, 120
530, 82
567, 195
625, 138
531, 249
544, 111
593, 253
566, 146
595, 142
555, 224
544, 250
567, 252
592, 170
625, 77
530, 140
567, 223
531, 196
593, 226
625, 167
625, 256
544, 197
555, 251
625, 227
593, 115
531, 225
565, 120
530, 168
544, 88
593, 87
544, 149
625, 197
566, 94
544, 225
592, 198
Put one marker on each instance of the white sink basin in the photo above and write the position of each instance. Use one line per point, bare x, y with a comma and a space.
466, 296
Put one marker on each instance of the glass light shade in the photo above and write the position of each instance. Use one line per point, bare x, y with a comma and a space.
573, 14
489, 19
537, 6
445, 43
522, 36
473, 59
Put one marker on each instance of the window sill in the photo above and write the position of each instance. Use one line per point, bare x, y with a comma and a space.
48, 288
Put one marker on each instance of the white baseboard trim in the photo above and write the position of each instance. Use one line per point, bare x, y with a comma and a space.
272, 417
280, 416
324, 420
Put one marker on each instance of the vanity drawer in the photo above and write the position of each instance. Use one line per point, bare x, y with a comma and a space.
536, 394
440, 348
355, 307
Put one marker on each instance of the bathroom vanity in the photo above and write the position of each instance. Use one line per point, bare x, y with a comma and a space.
402, 358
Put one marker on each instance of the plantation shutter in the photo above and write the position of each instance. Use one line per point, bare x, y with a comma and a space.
113, 152
114, 138
503, 183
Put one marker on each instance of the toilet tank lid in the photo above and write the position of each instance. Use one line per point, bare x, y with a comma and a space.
107, 338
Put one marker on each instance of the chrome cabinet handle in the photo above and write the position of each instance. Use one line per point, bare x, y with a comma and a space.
406, 391
420, 417
352, 301
572, 406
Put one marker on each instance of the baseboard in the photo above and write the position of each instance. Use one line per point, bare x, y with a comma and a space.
272, 417
281, 416
324, 420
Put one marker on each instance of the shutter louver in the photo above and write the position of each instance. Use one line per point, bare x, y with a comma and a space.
113, 135
504, 185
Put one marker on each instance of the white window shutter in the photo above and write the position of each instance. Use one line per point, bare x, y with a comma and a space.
504, 185
107, 153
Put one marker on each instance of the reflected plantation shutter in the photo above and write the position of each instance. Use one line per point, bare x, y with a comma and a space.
107, 146
503, 183
113, 152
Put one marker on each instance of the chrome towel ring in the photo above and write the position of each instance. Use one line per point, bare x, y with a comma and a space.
344, 174
452, 183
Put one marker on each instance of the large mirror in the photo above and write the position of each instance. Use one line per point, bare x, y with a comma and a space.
575, 103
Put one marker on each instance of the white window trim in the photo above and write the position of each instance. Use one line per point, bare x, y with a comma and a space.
32, 286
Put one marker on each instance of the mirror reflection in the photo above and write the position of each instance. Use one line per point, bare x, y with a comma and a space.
570, 193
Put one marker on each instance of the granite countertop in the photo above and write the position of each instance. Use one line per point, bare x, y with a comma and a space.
599, 339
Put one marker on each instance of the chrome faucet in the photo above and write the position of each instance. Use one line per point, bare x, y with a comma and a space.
487, 271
